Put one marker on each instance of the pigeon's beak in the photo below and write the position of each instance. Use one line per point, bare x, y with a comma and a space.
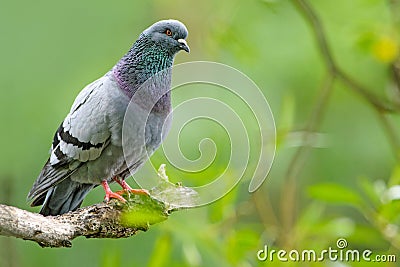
183, 45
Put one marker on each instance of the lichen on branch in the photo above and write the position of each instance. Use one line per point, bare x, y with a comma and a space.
112, 220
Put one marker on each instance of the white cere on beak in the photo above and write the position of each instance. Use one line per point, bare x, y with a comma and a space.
184, 43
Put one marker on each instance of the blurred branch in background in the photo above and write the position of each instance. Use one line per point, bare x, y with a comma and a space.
334, 72
394, 6
298, 160
396, 74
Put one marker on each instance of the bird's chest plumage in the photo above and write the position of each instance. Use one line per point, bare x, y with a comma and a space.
138, 102
137, 128
146, 120
144, 129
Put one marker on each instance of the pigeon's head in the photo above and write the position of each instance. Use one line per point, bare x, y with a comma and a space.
169, 35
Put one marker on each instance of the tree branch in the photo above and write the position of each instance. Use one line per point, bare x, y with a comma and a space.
112, 220
381, 105
288, 203
97, 221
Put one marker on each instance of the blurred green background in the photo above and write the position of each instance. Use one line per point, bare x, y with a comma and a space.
345, 185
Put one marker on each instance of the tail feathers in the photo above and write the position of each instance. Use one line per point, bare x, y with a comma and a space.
48, 177
64, 197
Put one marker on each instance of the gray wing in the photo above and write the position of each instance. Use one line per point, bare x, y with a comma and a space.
81, 137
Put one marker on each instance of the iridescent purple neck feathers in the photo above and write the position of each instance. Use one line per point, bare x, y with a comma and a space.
145, 62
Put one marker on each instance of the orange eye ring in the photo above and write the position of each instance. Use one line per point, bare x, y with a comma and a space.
168, 32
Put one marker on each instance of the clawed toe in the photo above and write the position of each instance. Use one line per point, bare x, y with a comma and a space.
128, 189
133, 191
110, 194
114, 195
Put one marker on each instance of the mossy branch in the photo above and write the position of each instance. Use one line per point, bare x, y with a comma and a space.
112, 220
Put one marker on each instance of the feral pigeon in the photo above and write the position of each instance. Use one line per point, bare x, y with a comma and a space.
87, 148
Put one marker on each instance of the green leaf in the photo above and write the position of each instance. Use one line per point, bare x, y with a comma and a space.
335, 194
239, 243
391, 211
395, 176
148, 211
368, 189
310, 216
140, 211
367, 236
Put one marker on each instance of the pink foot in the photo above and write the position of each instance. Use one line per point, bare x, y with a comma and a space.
127, 188
110, 194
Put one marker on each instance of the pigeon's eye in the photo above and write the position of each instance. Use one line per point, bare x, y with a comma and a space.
168, 32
